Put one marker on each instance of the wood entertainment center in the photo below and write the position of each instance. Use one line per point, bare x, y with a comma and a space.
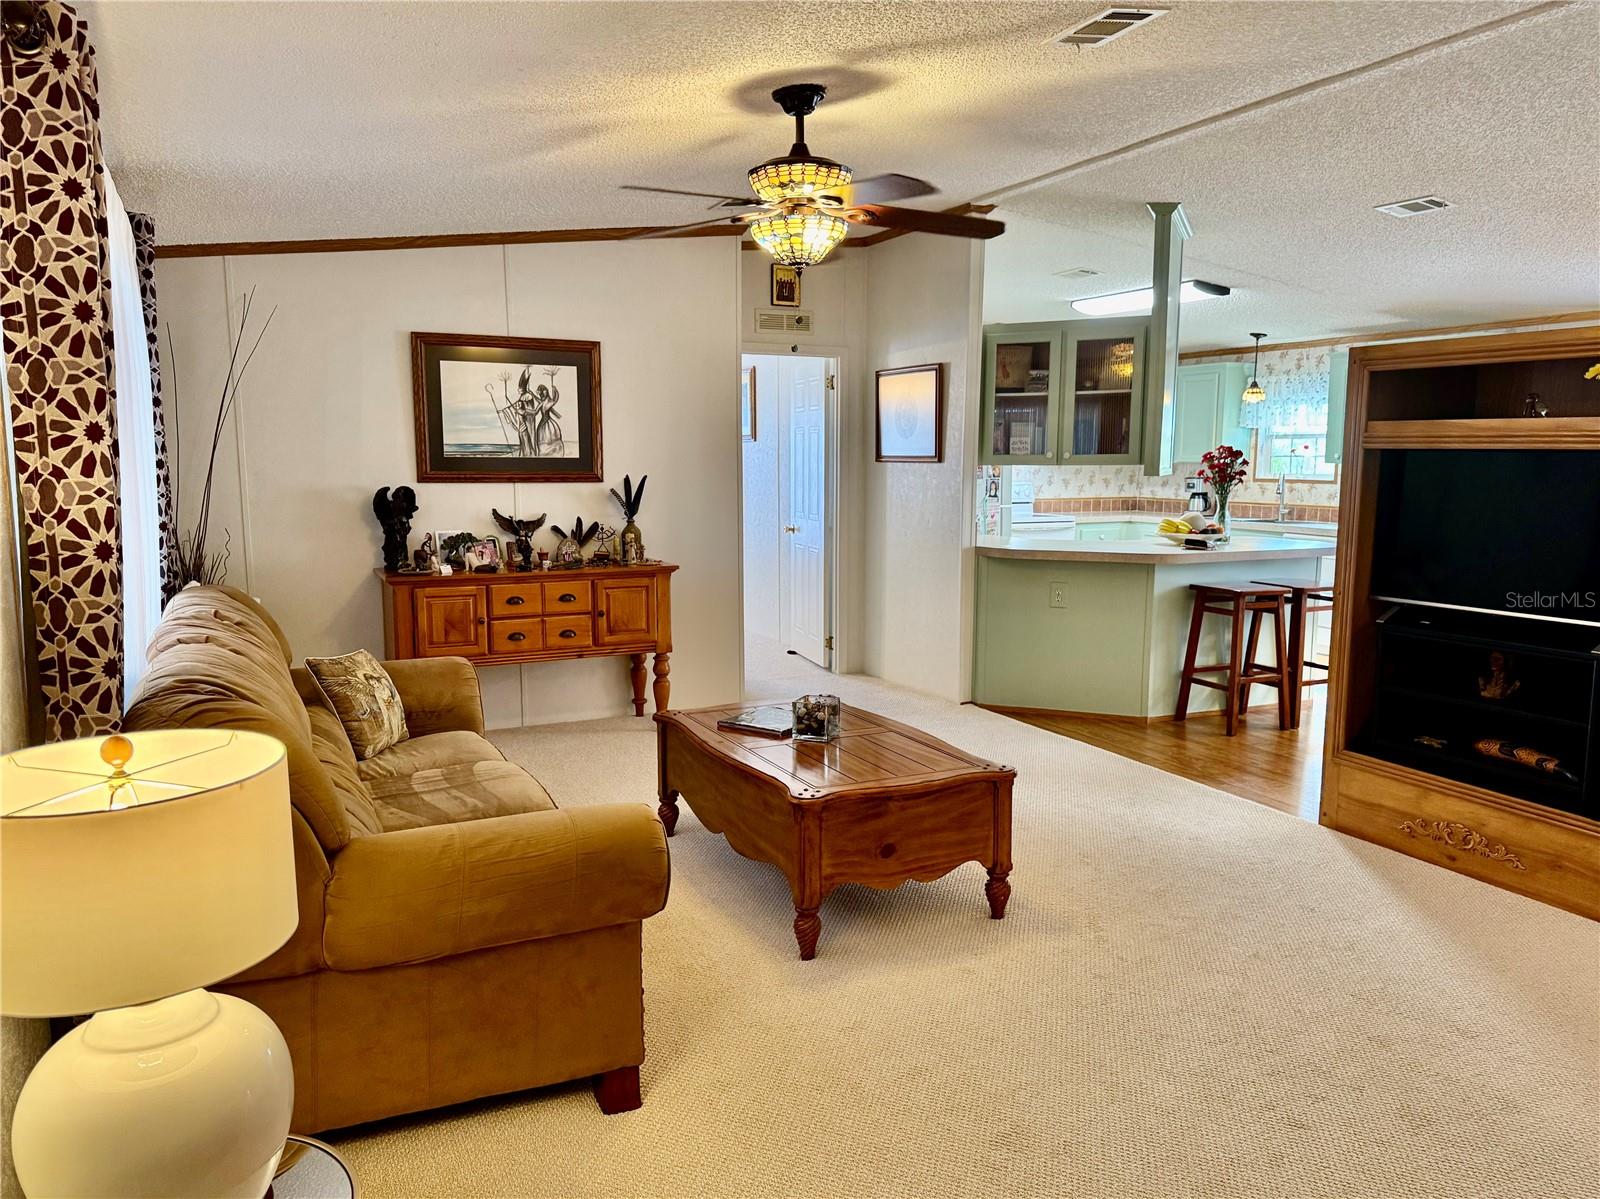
510, 617
1410, 712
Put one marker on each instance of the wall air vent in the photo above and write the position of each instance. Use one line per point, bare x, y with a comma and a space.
1415, 207
779, 320
1108, 26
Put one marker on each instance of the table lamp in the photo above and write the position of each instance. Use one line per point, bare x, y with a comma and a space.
135, 870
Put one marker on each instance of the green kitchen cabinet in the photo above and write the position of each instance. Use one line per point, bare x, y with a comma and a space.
1022, 394
1063, 391
1338, 384
1206, 409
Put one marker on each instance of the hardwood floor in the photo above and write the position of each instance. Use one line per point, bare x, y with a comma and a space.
1264, 763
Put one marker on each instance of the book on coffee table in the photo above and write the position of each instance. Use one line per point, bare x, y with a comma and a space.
769, 720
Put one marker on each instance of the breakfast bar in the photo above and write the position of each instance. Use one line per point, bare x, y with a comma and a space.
1094, 619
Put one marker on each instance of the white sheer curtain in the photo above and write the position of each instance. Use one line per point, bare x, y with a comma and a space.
136, 449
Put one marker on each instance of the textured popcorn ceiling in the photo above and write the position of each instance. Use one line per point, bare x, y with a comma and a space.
259, 121
1506, 127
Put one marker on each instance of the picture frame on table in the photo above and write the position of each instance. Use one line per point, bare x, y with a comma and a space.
482, 555
506, 409
747, 403
910, 414
784, 291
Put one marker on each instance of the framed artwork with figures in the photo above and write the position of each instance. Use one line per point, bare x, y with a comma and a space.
506, 409
910, 417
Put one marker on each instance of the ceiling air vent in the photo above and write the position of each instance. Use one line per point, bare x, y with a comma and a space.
1077, 272
1108, 26
1415, 207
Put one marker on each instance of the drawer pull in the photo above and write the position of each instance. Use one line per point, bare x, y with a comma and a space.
569, 632
515, 601
567, 597
516, 636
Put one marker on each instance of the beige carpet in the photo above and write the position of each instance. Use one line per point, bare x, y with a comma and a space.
1191, 994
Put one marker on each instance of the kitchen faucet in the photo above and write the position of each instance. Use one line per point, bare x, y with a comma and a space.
1283, 497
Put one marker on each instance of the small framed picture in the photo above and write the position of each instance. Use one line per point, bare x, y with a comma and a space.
785, 286
482, 555
747, 403
910, 414
449, 543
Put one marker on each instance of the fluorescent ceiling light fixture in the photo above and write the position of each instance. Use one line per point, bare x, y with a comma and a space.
1129, 303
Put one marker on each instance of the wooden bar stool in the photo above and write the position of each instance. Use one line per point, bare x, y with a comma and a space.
1241, 671
1305, 600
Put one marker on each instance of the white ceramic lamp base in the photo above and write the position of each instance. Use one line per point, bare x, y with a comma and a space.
184, 1098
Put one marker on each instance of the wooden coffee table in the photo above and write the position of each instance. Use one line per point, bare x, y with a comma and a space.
882, 804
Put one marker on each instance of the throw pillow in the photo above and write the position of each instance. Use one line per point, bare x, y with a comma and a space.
364, 698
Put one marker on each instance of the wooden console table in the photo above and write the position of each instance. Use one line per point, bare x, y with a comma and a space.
536, 616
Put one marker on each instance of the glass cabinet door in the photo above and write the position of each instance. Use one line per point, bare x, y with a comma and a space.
1102, 418
1022, 390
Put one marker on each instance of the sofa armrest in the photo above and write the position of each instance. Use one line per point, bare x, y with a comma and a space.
424, 893
440, 695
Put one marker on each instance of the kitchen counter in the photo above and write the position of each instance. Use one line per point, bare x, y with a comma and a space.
1247, 546
1095, 618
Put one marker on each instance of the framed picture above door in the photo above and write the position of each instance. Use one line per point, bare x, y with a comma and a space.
785, 291
506, 409
910, 417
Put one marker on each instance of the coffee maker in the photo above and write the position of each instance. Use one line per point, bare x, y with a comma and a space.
1201, 501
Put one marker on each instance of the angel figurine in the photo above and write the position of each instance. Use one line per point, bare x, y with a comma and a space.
523, 531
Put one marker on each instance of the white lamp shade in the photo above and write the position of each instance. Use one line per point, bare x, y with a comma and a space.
119, 888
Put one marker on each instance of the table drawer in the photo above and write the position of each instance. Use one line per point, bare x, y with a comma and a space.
515, 599
575, 595
516, 636
568, 632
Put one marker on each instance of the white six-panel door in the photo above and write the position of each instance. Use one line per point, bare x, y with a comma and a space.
803, 408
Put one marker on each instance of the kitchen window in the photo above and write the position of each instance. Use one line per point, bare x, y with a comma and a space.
1297, 456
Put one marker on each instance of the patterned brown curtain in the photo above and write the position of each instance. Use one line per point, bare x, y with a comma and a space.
144, 249
55, 315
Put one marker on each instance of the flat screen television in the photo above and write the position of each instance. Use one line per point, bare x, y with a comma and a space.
1512, 532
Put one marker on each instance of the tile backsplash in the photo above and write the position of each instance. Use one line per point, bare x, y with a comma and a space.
1127, 489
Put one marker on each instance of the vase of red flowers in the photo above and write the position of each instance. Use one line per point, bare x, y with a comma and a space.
1222, 469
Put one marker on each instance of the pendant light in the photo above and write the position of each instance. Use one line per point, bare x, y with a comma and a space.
1255, 393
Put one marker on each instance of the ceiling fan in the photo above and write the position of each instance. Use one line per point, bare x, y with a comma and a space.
805, 203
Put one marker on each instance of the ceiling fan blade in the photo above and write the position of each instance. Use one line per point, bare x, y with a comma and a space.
880, 188
675, 230
915, 220
727, 201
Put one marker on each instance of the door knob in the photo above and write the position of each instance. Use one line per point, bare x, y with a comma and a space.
791, 528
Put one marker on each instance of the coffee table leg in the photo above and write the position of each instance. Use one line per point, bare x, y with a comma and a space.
997, 890
668, 811
807, 928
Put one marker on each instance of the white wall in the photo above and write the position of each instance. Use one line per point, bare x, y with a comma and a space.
325, 417
923, 305
761, 537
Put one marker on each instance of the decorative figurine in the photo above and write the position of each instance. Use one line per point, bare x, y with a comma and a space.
604, 539
629, 501
544, 559
523, 531
394, 513
569, 553
426, 559
1499, 683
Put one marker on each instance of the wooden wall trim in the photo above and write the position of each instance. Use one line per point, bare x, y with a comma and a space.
428, 241
431, 241
1555, 318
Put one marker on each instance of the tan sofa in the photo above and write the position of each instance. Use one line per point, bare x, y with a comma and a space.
459, 934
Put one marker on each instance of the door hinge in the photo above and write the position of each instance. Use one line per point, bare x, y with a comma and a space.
830, 382
827, 643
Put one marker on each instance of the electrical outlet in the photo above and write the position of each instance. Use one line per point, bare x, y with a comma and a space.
1058, 595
